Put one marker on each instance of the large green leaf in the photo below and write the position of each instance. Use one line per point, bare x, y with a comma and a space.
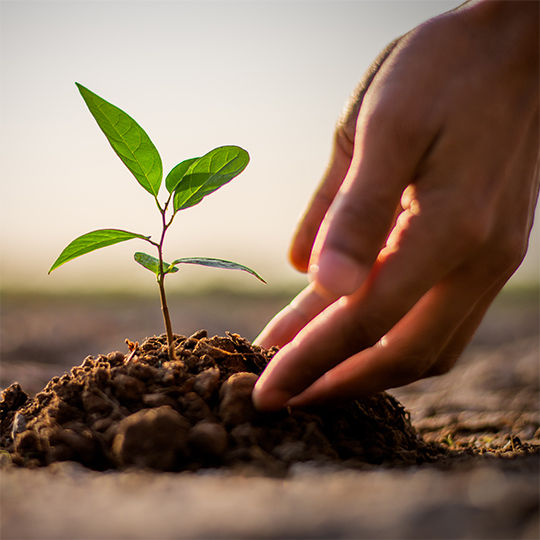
217, 263
128, 139
177, 173
91, 241
209, 173
152, 264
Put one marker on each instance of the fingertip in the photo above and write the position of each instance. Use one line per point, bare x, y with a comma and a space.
269, 399
270, 392
299, 256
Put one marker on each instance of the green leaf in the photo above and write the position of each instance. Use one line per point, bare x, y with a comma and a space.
217, 263
128, 139
91, 241
177, 173
152, 264
149, 262
209, 173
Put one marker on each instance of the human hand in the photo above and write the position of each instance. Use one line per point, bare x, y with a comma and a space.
423, 214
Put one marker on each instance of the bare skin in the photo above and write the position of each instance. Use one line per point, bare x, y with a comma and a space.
423, 214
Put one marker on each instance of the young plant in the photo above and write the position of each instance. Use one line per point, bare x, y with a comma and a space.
187, 184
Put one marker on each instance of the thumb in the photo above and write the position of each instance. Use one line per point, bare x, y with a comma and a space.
342, 152
362, 214
308, 227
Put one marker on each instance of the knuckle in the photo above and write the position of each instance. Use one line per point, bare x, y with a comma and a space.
507, 251
478, 234
403, 121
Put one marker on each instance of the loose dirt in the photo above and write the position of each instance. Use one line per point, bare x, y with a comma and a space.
140, 409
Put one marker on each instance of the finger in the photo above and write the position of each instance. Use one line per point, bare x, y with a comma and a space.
308, 227
356, 226
297, 365
291, 319
304, 237
409, 266
412, 348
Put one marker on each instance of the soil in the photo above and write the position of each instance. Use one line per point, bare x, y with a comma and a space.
143, 410
484, 417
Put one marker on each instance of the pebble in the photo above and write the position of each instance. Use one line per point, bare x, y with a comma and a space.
19, 424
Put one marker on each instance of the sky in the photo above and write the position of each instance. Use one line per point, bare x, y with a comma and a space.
270, 76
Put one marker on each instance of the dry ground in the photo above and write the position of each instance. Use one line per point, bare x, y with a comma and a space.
491, 399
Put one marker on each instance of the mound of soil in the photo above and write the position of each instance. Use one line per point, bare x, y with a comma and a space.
143, 410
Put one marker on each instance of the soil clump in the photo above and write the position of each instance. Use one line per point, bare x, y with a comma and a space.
143, 410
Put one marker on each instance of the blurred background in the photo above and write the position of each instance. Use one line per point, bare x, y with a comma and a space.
270, 76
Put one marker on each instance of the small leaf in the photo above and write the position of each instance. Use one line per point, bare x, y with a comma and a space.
209, 173
217, 263
152, 264
128, 139
149, 262
91, 241
177, 173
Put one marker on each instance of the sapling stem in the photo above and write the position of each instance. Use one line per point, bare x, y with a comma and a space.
166, 317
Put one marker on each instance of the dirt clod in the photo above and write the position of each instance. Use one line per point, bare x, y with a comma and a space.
151, 438
206, 382
208, 438
235, 405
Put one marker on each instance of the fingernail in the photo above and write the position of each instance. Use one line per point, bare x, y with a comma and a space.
337, 273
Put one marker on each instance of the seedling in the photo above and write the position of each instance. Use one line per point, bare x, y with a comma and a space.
187, 184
